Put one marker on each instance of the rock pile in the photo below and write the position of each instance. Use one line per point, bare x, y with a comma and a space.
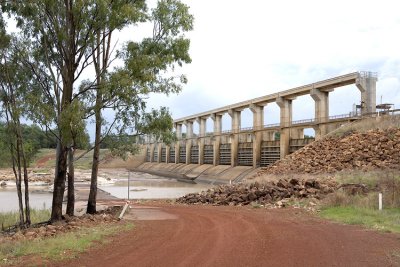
8, 175
266, 193
375, 149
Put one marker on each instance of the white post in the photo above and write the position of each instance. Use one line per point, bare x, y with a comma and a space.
380, 201
129, 176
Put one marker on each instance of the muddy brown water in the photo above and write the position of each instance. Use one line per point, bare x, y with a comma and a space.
141, 186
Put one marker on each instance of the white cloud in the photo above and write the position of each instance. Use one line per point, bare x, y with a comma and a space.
245, 50
242, 50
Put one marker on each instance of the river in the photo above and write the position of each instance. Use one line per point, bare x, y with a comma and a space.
141, 186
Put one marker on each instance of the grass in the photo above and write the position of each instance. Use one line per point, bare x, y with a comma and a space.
60, 247
385, 220
84, 163
11, 218
383, 122
362, 209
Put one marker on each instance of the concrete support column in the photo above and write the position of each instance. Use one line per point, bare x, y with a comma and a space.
366, 83
286, 118
159, 147
178, 128
202, 122
258, 123
177, 146
235, 115
167, 151
151, 152
321, 99
189, 141
217, 136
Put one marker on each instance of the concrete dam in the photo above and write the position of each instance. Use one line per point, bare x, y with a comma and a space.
233, 154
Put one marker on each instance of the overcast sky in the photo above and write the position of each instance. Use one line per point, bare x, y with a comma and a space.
246, 49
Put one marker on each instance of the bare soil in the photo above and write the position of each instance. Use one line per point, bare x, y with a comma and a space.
180, 235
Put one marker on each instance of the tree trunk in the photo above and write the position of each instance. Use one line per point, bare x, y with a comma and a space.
27, 205
19, 192
62, 150
71, 181
59, 182
25, 168
91, 207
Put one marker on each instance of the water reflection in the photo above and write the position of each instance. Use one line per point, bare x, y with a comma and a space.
9, 200
153, 188
141, 186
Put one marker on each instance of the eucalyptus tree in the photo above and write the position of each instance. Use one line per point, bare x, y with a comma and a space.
61, 33
147, 68
13, 84
66, 37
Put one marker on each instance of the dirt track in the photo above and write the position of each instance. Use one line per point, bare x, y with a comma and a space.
236, 236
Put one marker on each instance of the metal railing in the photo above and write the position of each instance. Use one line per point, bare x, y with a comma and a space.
368, 74
311, 122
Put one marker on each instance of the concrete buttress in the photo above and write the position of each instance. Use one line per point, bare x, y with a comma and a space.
258, 124
217, 118
235, 115
178, 128
321, 99
189, 135
285, 106
202, 122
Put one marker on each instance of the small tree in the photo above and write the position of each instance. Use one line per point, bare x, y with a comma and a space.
13, 82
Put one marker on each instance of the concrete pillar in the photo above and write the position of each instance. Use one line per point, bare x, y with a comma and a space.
167, 151
178, 127
258, 123
159, 147
286, 119
235, 115
217, 118
321, 99
366, 83
189, 141
189, 129
202, 122
177, 146
151, 152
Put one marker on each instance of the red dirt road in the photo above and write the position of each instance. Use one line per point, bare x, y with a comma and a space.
237, 236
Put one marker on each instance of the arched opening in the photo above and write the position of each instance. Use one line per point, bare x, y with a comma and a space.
226, 122
246, 117
271, 114
184, 131
196, 128
309, 133
303, 108
344, 100
209, 127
